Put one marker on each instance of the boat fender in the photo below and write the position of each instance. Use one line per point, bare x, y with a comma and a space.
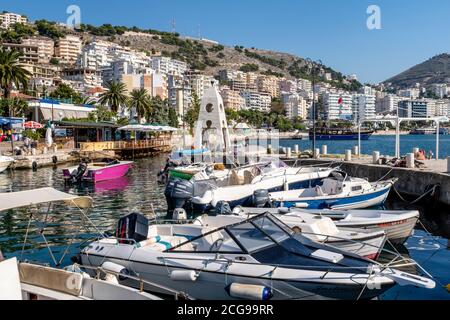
34, 166
237, 210
283, 210
116, 269
301, 205
55, 159
184, 275
249, 291
179, 214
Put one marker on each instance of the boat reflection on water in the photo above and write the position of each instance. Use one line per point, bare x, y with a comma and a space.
116, 185
388, 254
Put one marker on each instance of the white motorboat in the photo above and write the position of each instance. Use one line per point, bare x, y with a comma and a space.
203, 194
5, 162
336, 192
26, 281
32, 281
398, 224
321, 229
258, 258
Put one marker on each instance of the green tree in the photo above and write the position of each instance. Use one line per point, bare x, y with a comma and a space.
11, 72
13, 107
115, 96
65, 92
191, 116
141, 102
101, 113
173, 118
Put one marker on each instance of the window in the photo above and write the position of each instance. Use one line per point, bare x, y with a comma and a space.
356, 188
273, 230
250, 237
209, 107
218, 241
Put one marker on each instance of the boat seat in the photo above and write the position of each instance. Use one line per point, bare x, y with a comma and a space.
319, 191
248, 177
50, 278
235, 180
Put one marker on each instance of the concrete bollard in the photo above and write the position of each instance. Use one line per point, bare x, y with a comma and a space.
45, 151
296, 149
324, 149
376, 156
33, 151
55, 148
415, 150
289, 152
269, 149
348, 155
410, 160
356, 150
316, 153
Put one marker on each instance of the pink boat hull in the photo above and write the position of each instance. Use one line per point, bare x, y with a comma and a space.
108, 173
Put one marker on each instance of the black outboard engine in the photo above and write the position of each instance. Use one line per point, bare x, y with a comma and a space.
133, 227
261, 198
79, 172
183, 190
222, 208
168, 194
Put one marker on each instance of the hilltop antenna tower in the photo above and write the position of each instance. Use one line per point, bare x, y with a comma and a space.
174, 26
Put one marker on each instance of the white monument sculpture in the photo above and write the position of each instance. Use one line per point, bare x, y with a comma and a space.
212, 128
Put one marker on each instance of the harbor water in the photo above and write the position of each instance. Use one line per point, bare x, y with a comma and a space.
139, 191
384, 144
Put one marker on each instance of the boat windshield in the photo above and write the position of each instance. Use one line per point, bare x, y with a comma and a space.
259, 233
250, 236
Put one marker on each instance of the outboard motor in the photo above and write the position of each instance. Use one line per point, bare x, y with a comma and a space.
261, 198
79, 172
223, 208
168, 194
134, 227
182, 191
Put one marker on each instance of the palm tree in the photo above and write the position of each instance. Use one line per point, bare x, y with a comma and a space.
11, 73
141, 102
115, 96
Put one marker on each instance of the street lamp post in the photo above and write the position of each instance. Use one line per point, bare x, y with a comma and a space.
314, 111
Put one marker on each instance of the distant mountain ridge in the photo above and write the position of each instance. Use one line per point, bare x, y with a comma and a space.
434, 70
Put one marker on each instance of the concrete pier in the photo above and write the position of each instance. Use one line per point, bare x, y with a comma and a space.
43, 160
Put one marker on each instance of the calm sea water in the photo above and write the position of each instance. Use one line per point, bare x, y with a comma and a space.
384, 144
140, 191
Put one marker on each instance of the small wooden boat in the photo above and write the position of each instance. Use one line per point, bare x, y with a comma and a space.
97, 171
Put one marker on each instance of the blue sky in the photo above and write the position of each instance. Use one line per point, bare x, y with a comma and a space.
331, 30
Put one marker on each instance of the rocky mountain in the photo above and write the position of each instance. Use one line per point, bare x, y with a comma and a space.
432, 71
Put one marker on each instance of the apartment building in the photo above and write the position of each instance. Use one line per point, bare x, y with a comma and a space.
363, 107
169, 66
90, 78
440, 90
414, 109
288, 86
270, 85
7, 19
200, 82
304, 84
46, 47
295, 105
68, 49
410, 93
232, 99
118, 68
30, 53
155, 83
388, 104
257, 100
337, 106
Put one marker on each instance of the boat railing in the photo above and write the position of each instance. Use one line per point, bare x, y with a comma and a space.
142, 282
